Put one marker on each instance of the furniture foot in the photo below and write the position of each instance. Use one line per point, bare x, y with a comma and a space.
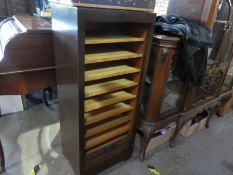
2, 159
45, 99
128, 155
2, 169
211, 113
172, 140
144, 143
146, 130
207, 125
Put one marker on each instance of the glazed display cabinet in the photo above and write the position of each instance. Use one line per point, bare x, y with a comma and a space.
166, 98
228, 82
163, 92
226, 94
207, 96
219, 60
100, 60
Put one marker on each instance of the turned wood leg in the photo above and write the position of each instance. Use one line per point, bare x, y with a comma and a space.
179, 125
45, 97
147, 130
144, 141
2, 159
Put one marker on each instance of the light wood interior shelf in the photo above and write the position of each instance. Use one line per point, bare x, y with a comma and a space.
112, 39
106, 87
106, 100
110, 56
106, 113
105, 137
106, 126
108, 72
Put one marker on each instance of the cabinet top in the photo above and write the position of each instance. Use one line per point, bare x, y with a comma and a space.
32, 24
166, 41
137, 5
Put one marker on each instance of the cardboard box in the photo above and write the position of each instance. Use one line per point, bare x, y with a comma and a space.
139, 5
189, 129
156, 141
10, 104
202, 124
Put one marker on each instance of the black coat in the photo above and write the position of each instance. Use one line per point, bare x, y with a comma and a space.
195, 42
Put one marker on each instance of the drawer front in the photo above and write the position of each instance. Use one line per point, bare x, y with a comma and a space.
107, 148
105, 154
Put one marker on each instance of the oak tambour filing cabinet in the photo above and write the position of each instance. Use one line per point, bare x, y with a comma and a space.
100, 59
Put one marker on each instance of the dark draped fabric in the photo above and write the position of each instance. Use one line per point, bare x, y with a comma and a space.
196, 39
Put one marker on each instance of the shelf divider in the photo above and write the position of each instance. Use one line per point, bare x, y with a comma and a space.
106, 113
105, 137
107, 100
106, 126
110, 56
109, 86
108, 72
112, 39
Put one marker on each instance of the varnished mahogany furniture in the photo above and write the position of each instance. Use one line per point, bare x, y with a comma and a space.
159, 99
226, 96
100, 55
228, 82
194, 99
137, 5
208, 95
26, 58
226, 93
26, 55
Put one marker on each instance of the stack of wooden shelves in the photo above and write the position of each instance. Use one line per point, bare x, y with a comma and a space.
112, 76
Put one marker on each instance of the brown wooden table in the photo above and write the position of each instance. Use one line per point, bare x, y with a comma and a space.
26, 60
